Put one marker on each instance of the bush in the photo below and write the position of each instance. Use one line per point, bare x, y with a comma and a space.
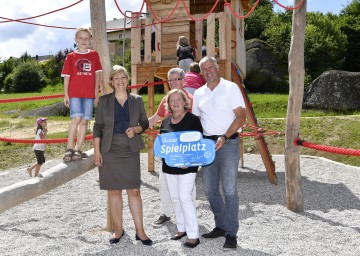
26, 77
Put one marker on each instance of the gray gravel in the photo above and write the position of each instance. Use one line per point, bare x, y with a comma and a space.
71, 219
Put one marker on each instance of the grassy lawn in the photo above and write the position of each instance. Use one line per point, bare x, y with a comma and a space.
338, 129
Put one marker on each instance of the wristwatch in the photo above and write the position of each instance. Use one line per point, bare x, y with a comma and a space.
226, 138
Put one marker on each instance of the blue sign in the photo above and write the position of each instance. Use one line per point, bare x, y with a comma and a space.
184, 149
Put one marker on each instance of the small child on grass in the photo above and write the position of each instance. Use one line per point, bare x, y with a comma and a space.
81, 74
39, 148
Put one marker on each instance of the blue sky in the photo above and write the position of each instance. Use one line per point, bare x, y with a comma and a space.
323, 6
17, 38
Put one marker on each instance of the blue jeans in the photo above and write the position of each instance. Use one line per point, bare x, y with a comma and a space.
224, 169
82, 107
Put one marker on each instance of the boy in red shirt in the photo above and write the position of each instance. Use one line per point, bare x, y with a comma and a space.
81, 74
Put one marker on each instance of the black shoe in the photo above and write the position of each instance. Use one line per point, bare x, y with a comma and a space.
162, 219
177, 237
192, 245
230, 243
216, 232
115, 240
145, 242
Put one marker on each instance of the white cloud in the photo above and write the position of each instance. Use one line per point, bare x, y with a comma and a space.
17, 38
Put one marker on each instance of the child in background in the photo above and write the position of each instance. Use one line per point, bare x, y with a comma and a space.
184, 52
81, 74
39, 148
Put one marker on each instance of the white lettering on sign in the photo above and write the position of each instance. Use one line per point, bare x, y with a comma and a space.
183, 148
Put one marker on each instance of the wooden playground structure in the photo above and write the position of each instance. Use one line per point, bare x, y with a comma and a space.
230, 51
231, 56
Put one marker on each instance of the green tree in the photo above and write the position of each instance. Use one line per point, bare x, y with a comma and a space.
257, 21
349, 24
6, 68
26, 77
325, 44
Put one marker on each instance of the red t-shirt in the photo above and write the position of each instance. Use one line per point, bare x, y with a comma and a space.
162, 112
81, 68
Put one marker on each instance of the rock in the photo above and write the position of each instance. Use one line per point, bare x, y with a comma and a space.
334, 90
57, 109
264, 73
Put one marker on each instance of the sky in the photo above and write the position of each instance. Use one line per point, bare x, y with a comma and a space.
17, 38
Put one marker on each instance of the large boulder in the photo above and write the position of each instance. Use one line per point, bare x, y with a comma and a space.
334, 90
57, 109
264, 73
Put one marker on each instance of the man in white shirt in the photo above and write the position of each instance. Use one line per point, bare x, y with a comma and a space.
221, 108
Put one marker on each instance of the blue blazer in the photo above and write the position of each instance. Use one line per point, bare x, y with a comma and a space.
104, 121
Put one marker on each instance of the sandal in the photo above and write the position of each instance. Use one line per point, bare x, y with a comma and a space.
76, 155
83, 155
69, 154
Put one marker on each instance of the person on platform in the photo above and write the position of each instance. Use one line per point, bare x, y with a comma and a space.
221, 108
193, 79
120, 118
184, 52
81, 74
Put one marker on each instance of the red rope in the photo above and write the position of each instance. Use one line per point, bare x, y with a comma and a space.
202, 18
289, 8
40, 15
32, 98
47, 141
156, 17
334, 150
228, 5
130, 17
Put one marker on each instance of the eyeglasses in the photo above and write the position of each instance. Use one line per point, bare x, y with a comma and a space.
175, 79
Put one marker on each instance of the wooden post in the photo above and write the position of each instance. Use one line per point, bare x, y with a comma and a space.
151, 106
99, 41
98, 26
294, 193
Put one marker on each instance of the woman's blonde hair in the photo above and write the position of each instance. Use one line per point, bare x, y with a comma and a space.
117, 69
183, 41
182, 93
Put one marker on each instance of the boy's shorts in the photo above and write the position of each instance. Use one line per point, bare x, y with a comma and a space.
82, 107
40, 156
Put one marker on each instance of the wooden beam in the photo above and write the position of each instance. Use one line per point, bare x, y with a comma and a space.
210, 35
56, 176
198, 37
99, 41
147, 36
294, 193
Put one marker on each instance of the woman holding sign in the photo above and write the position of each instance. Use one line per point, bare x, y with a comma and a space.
181, 181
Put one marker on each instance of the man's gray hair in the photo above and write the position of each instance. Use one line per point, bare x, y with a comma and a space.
206, 59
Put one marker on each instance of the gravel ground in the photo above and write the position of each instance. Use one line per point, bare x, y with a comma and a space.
71, 219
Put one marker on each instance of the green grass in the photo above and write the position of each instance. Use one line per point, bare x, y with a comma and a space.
337, 129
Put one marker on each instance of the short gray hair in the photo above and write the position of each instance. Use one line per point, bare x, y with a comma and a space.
208, 58
178, 71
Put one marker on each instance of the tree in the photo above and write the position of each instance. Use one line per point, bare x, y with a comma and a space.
257, 21
26, 77
349, 24
325, 44
6, 68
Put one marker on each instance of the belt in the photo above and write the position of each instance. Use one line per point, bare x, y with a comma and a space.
215, 137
